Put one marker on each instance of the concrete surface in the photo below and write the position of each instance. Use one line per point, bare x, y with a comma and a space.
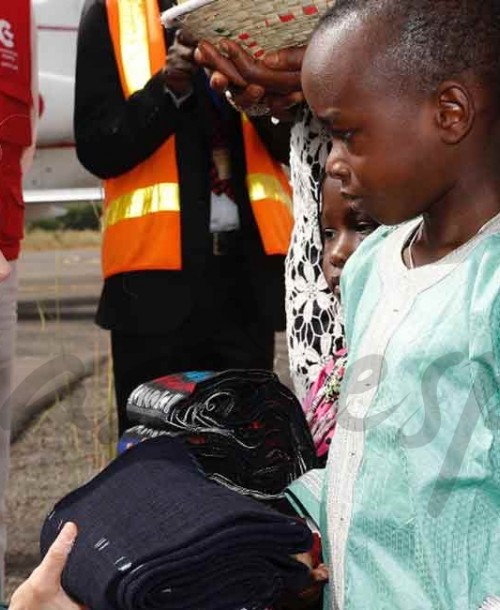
59, 284
52, 353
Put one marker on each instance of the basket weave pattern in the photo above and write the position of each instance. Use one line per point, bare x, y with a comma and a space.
258, 25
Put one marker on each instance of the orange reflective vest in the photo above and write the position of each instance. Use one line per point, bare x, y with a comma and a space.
142, 211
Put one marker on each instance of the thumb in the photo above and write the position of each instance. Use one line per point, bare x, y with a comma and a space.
50, 569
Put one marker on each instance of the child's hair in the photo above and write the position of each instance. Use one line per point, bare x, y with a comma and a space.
432, 40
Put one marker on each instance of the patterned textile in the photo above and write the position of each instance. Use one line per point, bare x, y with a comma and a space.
246, 428
154, 532
314, 327
321, 403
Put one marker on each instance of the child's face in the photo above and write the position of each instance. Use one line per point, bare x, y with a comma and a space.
343, 227
385, 150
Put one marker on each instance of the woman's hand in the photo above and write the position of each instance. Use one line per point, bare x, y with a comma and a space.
274, 80
5, 269
43, 590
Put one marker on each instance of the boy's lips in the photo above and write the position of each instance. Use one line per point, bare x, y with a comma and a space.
347, 195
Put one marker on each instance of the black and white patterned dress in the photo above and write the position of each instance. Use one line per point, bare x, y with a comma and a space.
314, 328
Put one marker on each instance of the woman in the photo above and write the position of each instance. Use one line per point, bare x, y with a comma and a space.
314, 328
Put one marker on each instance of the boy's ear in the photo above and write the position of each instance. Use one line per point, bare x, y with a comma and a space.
455, 112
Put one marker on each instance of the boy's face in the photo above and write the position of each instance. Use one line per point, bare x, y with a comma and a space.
342, 229
386, 151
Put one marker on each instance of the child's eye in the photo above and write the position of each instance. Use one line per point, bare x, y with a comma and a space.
329, 234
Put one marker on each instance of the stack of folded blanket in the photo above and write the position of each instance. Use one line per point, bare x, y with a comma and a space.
154, 532
246, 428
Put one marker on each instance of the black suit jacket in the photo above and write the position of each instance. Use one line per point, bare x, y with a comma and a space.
113, 135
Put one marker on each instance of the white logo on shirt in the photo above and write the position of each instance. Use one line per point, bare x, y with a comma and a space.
6, 34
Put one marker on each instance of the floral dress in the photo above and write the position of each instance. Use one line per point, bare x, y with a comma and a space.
321, 403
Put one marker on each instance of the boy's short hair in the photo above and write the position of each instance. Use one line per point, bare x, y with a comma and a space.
433, 40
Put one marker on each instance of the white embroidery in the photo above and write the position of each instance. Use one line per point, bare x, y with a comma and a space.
491, 603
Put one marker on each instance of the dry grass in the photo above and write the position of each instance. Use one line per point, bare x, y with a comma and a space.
66, 446
38, 239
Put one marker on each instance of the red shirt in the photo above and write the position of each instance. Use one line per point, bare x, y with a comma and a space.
11, 200
15, 118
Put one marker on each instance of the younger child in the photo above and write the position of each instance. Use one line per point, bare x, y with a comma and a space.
342, 230
409, 91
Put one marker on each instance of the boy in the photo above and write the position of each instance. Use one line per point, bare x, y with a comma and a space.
408, 90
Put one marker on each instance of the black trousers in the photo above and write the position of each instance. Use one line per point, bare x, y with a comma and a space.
223, 332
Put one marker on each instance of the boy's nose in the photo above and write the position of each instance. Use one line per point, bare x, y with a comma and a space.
338, 169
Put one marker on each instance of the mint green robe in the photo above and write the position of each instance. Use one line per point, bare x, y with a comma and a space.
411, 504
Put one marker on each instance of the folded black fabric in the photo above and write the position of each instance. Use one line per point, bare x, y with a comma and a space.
245, 427
155, 533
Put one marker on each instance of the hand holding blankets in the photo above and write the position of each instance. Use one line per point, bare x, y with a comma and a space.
154, 533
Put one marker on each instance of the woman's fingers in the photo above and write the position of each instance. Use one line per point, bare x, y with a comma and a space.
248, 96
248, 78
256, 72
219, 82
209, 57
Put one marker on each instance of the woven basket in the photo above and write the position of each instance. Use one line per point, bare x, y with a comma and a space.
258, 25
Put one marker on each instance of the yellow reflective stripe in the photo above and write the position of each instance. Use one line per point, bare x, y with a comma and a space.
134, 43
158, 198
264, 186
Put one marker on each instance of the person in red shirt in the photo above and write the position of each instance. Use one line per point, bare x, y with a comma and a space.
16, 139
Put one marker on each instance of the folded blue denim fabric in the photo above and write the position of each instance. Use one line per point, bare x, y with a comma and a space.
155, 533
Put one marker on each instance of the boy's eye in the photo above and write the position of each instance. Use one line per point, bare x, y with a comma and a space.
365, 229
342, 135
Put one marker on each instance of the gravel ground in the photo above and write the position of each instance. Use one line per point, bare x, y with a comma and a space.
62, 449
